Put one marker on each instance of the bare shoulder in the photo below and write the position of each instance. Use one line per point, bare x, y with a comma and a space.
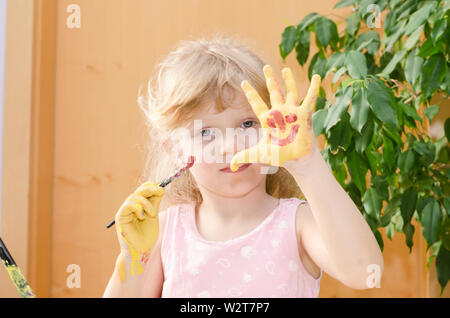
303, 218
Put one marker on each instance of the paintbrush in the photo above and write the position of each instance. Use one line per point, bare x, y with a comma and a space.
168, 180
14, 272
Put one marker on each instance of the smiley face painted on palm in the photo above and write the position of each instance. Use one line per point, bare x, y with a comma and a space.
287, 125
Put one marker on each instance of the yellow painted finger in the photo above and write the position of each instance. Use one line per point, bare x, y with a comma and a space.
311, 97
150, 189
291, 86
149, 209
137, 210
257, 103
249, 155
276, 95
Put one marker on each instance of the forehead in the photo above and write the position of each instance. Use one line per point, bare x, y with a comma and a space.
237, 106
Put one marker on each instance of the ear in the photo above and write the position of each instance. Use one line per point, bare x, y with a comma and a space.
175, 150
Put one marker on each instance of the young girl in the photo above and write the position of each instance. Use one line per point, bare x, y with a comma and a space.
236, 226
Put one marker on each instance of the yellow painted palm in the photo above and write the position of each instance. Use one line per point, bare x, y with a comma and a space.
287, 126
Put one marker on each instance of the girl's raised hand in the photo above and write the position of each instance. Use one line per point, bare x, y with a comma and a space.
287, 126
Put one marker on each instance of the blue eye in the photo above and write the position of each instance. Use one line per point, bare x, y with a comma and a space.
207, 130
248, 121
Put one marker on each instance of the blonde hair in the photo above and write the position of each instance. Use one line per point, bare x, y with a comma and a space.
193, 73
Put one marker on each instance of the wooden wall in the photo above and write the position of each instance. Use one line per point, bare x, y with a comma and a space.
91, 137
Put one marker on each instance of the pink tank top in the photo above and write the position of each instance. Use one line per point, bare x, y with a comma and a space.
262, 263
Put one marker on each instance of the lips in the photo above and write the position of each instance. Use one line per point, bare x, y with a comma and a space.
242, 167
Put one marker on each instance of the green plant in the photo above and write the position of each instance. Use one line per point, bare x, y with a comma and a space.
386, 81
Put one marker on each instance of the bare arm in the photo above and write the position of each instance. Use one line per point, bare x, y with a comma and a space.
334, 232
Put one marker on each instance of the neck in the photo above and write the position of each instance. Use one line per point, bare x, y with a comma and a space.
256, 201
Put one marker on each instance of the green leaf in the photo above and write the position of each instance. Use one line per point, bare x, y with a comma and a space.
339, 108
320, 102
413, 67
370, 40
389, 156
419, 17
426, 150
405, 161
318, 119
392, 208
406, 8
373, 158
431, 111
341, 134
357, 168
352, 24
326, 31
302, 48
439, 30
335, 62
381, 101
359, 110
447, 128
307, 21
408, 229
429, 48
410, 111
433, 73
393, 63
381, 186
431, 218
445, 233
390, 231
344, 3
422, 203
363, 140
288, 39
339, 74
408, 205
379, 238
393, 134
443, 267
317, 65
356, 64
413, 38
391, 39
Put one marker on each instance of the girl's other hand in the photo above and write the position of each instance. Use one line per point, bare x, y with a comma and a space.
138, 225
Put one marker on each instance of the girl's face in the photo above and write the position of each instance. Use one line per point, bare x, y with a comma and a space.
214, 138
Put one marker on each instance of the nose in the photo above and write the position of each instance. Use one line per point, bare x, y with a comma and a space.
229, 144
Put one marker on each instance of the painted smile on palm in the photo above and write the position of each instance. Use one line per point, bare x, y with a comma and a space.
287, 126
277, 119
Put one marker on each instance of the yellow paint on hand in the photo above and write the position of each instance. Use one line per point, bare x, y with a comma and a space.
137, 227
287, 127
120, 265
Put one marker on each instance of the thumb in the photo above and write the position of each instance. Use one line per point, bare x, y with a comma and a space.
250, 155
